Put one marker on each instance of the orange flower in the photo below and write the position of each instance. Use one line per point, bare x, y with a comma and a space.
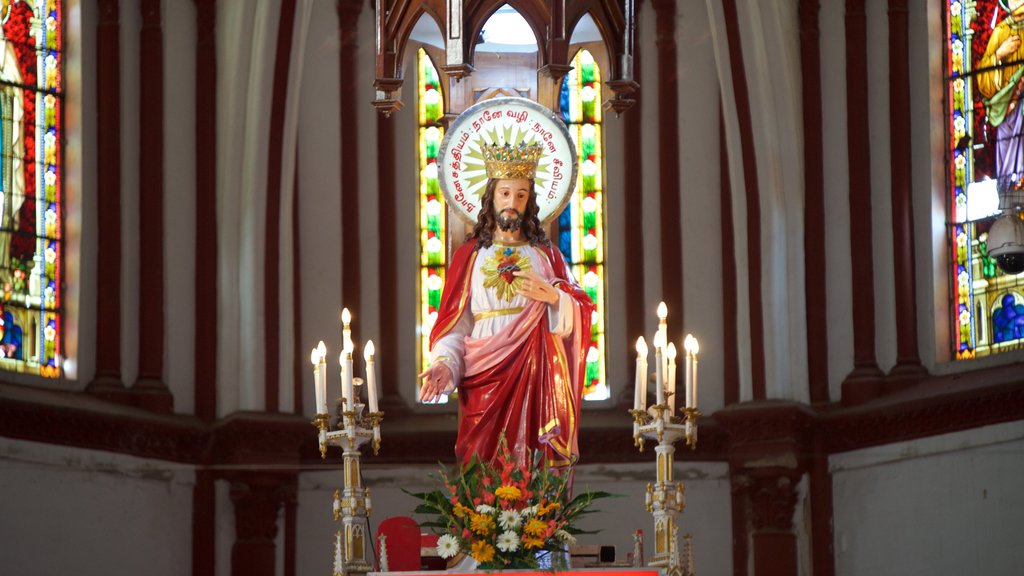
481, 524
530, 542
460, 511
482, 551
508, 493
535, 527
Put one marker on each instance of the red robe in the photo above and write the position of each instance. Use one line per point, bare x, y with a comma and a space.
530, 385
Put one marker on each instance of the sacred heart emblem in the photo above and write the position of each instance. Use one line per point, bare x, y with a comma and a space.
499, 271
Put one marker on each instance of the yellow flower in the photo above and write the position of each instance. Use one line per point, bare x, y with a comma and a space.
548, 508
530, 542
482, 551
481, 524
508, 493
535, 527
460, 511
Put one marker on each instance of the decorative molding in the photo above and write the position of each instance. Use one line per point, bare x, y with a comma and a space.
741, 434
889, 420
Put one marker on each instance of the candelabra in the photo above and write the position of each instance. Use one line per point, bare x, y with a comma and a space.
661, 423
353, 428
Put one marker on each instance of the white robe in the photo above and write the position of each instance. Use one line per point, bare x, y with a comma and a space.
490, 309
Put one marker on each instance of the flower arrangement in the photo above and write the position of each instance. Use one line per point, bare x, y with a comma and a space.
504, 515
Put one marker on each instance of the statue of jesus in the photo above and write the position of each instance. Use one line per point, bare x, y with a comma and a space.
513, 326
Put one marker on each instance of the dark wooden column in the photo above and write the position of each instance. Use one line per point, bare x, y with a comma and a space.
768, 449
150, 391
257, 498
908, 369
272, 215
206, 211
390, 370
633, 224
204, 525
351, 105
668, 167
107, 381
864, 382
823, 560
752, 193
815, 262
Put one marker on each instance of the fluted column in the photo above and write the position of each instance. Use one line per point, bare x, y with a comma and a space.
668, 165
908, 369
150, 390
815, 262
107, 381
864, 382
351, 105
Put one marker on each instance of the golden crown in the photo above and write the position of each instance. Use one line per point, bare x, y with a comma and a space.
512, 161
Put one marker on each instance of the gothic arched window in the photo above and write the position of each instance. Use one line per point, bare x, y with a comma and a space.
581, 225
31, 187
985, 168
432, 213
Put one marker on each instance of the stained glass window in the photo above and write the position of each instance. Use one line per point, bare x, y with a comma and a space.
581, 225
985, 172
432, 211
31, 179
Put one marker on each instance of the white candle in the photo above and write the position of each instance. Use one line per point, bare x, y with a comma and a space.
659, 368
671, 398
640, 393
314, 357
692, 347
346, 332
663, 322
371, 376
349, 387
694, 405
346, 380
322, 367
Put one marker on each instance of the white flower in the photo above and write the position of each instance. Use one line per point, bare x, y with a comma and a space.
564, 537
484, 509
509, 519
508, 541
529, 510
447, 546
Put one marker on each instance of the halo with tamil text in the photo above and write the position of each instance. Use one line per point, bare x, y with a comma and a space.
506, 121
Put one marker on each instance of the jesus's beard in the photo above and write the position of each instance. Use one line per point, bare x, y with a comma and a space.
510, 223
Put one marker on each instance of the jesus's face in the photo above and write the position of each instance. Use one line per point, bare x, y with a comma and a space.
510, 199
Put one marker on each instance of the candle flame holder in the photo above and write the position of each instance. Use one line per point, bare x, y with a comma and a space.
352, 505
354, 426
666, 498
